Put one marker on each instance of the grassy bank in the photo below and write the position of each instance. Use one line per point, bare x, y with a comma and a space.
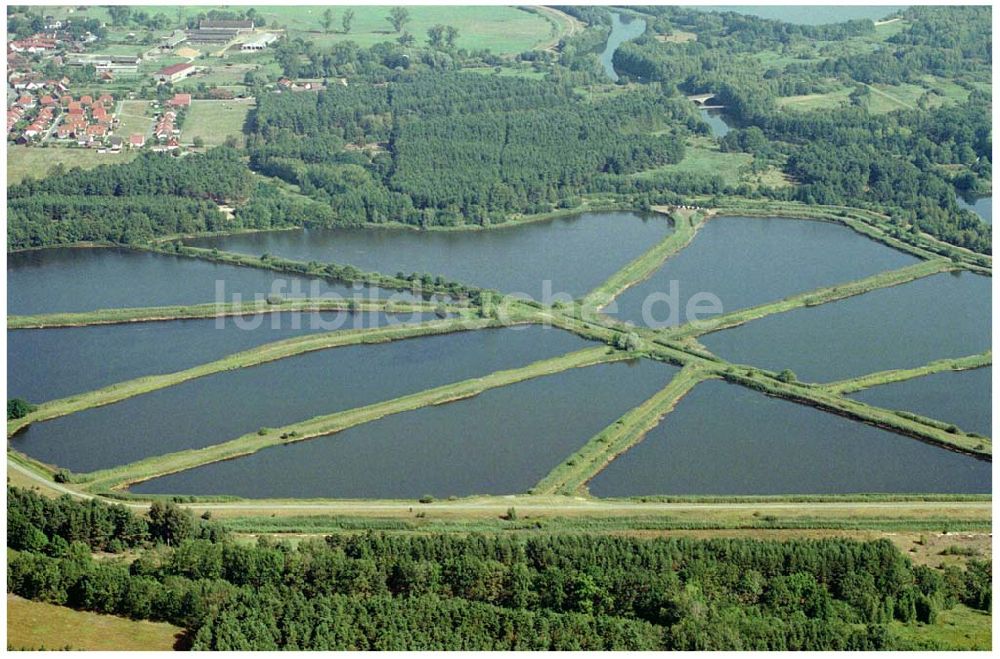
40, 626
570, 476
121, 477
928, 430
259, 355
758, 521
686, 226
811, 298
898, 375
214, 310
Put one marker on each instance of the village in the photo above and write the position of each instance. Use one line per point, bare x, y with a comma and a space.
71, 86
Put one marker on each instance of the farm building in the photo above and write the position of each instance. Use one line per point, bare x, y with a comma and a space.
174, 40
174, 72
239, 26
259, 42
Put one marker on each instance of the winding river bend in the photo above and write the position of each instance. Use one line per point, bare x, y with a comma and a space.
621, 31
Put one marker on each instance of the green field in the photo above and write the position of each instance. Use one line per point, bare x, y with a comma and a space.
36, 626
25, 161
214, 121
135, 117
704, 158
960, 628
504, 30
816, 101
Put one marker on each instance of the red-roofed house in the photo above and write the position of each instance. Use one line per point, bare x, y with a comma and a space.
106, 99
65, 99
180, 101
96, 130
86, 100
137, 141
48, 100
174, 72
26, 101
99, 112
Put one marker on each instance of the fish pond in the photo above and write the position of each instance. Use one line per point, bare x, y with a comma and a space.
502, 441
226, 405
941, 316
724, 439
573, 254
743, 262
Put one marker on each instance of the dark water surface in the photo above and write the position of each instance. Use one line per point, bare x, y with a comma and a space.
575, 254
223, 406
958, 397
728, 440
621, 32
500, 442
749, 261
71, 279
983, 207
716, 121
945, 315
43, 364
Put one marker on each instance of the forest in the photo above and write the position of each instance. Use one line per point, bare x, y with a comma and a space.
907, 163
447, 149
131, 203
406, 133
478, 591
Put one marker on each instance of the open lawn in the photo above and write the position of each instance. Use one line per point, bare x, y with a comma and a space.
25, 161
504, 30
960, 628
214, 121
703, 158
816, 101
135, 117
36, 626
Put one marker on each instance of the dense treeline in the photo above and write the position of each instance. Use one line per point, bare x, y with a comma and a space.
41, 524
155, 194
377, 591
906, 163
452, 148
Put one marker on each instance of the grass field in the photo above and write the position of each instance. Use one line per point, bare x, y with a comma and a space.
25, 161
815, 101
214, 121
960, 628
504, 30
36, 626
702, 157
135, 117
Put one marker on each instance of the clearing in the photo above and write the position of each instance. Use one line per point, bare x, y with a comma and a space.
37, 626
214, 121
37, 162
504, 30
135, 118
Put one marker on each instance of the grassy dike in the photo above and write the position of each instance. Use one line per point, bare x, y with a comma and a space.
681, 353
570, 476
686, 226
121, 477
258, 355
812, 298
219, 310
899, 375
